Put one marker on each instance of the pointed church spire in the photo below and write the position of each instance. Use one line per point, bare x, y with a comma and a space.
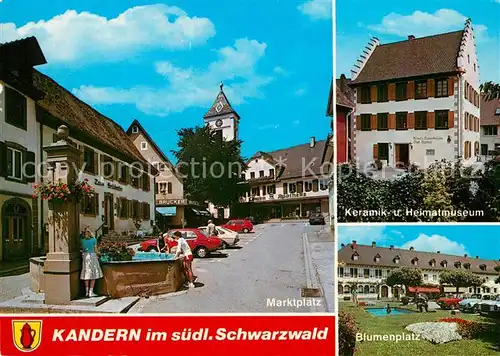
221, 105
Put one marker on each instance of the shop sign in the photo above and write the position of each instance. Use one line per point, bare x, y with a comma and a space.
426, 140
114, 186
292, 195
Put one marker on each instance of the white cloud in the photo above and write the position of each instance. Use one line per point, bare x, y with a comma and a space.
281, 71
85, 36
317, 9
301, 92
424, 24
363, 235
191, 87
435, 243
267, 127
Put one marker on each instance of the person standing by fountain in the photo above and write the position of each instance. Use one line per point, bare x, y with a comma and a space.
184, 249
91, 270
212, 231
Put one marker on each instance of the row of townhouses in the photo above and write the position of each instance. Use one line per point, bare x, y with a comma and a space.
32, 107
417, 101
366, 267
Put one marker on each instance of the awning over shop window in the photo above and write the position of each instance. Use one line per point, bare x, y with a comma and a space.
167, 210
202, 212
423, 290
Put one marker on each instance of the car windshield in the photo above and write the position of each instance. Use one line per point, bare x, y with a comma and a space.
203, 232
475, 296
486, 297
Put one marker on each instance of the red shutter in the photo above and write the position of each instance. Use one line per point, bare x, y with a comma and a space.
411, 90
411, 120
451, 119
375, 151
451, 86
392, 91
430, 120
358, 95
392, 121
373, 93
358, 122
430, 87
373, 122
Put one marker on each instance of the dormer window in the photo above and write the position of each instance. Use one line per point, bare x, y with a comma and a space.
458, 264
377, 258
396, 259
444, 264
355, 256
414, 261
432, 263
483, 267
135, 129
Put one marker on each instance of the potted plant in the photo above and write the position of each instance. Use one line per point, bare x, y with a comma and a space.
115, 251
60, 193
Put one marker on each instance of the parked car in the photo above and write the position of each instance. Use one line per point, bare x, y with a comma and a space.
255, 220
228, 237
316, 219
198, 241
472, 304
490, 307
239, 225
449, 302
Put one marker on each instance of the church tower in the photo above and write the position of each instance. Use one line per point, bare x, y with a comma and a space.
222, 117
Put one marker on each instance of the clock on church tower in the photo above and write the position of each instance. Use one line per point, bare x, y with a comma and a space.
222, 117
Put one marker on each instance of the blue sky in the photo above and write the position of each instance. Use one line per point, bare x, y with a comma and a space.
161, 61
455, 239
393, 21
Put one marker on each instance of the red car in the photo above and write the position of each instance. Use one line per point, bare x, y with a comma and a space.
239, 225
448, 302
200, 244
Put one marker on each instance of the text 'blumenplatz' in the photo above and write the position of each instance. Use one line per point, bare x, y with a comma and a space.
187, 334
412, 212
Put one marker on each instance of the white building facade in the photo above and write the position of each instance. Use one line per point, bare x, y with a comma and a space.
416, 106
32, 107
366, 268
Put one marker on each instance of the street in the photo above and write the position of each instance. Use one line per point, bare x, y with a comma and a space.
265, 274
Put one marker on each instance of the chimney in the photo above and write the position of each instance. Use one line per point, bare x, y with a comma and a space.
466, 255
438, 252
342, 82
477, 257
312, 143
342, 245
411, 37
392, 247
411, 248
374, 244
354, 244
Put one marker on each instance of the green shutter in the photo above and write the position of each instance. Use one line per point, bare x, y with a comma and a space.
3, 160
30, 167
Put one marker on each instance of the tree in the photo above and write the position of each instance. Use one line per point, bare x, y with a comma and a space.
460, 279
436, 196
490, 91
211, 168
405, 276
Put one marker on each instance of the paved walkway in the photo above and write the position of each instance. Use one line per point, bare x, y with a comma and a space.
322, 250
11, 287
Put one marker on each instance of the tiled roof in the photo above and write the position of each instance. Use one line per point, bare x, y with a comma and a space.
412, 58
163, 156
76, 114
488, 110
387, 255
220, 106
344, 93
292, 159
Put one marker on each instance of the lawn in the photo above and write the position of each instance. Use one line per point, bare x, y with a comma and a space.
395, 324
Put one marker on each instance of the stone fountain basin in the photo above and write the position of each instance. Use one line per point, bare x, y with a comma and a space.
140, 278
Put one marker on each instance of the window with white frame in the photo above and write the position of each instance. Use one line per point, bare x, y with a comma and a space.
163, 187
144, 146
14, 164
135, 129
323, 184
308, 186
